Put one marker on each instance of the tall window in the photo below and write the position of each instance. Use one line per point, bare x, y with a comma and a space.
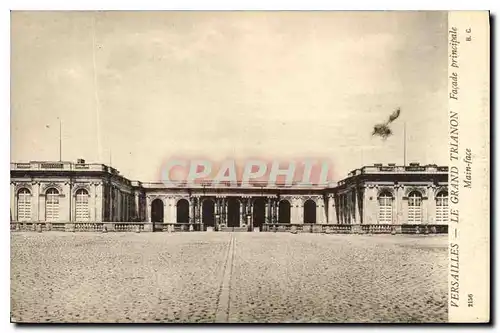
385, 208
52, 205
415, 208
24, 205
442, 208
82, 206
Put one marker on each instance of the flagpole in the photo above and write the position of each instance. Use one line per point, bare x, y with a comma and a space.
60, 140
404, 144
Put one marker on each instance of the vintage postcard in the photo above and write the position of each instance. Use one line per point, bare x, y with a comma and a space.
250, 167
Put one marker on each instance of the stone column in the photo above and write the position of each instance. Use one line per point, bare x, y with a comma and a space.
272, 211
167, 209
72, 203
226, 208
142, 207
199, 216
116, 213
126, 207
192, 210
241, 213
341, 208
137, 205
13, 202
148, 209
278, 211
148, 227
217, 212
339, 202
347, 209
357, 218
111, 202
293, 210
266, 218
300, 210
251, 211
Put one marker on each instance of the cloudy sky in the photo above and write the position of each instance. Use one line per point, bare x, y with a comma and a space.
146, 86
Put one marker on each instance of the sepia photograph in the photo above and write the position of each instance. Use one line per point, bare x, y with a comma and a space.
248, 167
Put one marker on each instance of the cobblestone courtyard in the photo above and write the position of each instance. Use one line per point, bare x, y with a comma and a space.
227, 277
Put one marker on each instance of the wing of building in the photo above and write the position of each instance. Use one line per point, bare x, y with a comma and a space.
62, 195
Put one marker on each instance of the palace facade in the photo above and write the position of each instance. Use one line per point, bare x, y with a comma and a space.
52, 192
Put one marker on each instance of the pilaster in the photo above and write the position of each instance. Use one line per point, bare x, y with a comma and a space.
431, 205
148, 209
35, 202
398, 198
99, 199
13, 202
332, 210
92, 202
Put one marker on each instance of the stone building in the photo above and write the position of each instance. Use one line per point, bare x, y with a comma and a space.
93, 193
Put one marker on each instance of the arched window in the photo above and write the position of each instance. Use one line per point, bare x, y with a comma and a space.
82, 212
442, 208
24, 205
385, 201
415, 208
52, 205
310, 211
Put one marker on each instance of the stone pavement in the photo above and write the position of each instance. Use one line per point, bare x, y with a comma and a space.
227, 277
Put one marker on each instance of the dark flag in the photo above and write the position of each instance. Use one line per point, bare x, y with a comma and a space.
383, 130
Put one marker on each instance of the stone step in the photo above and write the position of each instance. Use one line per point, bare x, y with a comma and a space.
234, 229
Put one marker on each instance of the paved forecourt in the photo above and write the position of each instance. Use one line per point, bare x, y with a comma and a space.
227, 277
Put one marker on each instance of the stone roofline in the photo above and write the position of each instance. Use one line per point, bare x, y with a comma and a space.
81, 166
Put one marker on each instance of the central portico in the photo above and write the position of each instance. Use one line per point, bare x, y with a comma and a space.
234, 207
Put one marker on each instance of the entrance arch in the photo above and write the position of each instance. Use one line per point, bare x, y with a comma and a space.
182, 211
284, 212
157, 210
233, 212
310, 211
208, 213
259, 212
